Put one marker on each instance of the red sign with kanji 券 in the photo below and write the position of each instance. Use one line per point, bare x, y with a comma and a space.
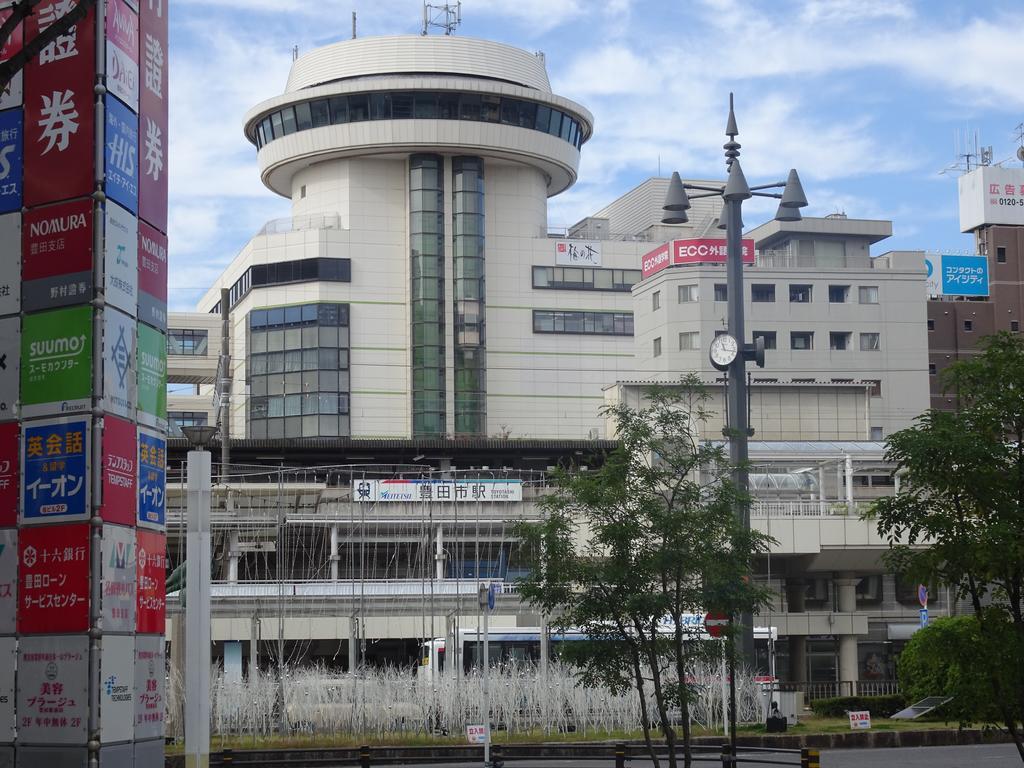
57, 240
153, 112
119, 471
53, 579
59, 124
151, 559
9, 453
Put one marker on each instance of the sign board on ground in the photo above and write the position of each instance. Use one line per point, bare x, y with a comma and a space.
476, 734
860, 720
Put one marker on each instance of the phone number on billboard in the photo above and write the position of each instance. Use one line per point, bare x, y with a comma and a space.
1011, 201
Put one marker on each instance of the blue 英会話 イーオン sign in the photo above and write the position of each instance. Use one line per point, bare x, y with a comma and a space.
55, 458
152, 474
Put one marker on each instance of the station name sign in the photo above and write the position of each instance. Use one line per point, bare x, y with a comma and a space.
437, 490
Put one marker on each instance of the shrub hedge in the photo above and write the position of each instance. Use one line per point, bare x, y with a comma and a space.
878, 706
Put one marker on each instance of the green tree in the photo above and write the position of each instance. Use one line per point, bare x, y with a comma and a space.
959, 519
952, 657
626, 553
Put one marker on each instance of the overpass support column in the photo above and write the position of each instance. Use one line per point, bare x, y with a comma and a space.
439, 552
796, 592
233, 557
846, 592
335, 556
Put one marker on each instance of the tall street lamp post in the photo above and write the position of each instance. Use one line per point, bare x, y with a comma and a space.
730, 352
197, 594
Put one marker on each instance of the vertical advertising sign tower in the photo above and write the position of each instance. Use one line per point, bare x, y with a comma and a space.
83, 290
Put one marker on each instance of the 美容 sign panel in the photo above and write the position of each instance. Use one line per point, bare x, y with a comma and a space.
53, 691
53, 579
56, 362
149, 686
8, 659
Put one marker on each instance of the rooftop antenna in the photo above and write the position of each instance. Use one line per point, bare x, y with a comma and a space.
295, 52
967, 157
353, 25
446, 17
1020, 142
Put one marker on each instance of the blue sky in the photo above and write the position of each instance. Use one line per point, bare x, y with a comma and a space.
864, 97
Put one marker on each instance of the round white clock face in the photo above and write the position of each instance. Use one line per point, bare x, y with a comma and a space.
724, 349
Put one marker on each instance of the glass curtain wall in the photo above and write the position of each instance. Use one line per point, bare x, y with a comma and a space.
426, 234
468, 270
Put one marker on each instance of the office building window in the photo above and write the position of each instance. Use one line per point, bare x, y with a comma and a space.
657, 347
801, 340
931, 324
721, 292
968, 326
868, 294
762, 292
469, 267
178, 419
187, 341
656, 300
838, 294
1000, 254
583, 323
298, 371
839, 341
876, 433
932, 369
1014, 326
799, 294
689, 340
769, 337
580, 279
870, 342
687, 294
875, 387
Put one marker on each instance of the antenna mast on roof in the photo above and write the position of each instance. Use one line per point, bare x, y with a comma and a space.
967, 157
446, 17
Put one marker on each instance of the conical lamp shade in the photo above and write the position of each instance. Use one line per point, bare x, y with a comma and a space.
793, 195
736, 188
787, 214
675, 217
676, 199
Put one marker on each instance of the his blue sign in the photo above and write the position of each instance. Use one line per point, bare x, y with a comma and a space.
121, 154
964, 275
10, 160
152, 479
56, 470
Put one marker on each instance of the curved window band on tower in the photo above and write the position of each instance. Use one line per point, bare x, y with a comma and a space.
426, 235
417, 105
468, 269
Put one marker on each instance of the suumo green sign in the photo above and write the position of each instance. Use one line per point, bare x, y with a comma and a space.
56, 362
152, 377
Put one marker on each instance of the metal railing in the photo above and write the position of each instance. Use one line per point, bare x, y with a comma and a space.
838, 688
301, 224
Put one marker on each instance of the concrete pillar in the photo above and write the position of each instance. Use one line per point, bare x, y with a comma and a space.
233, 557
822, 504
353, 644
896, 484
335, 554
848, 467
176, 686
254, 647
439, 552
846, 602
197, 612
796, 592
